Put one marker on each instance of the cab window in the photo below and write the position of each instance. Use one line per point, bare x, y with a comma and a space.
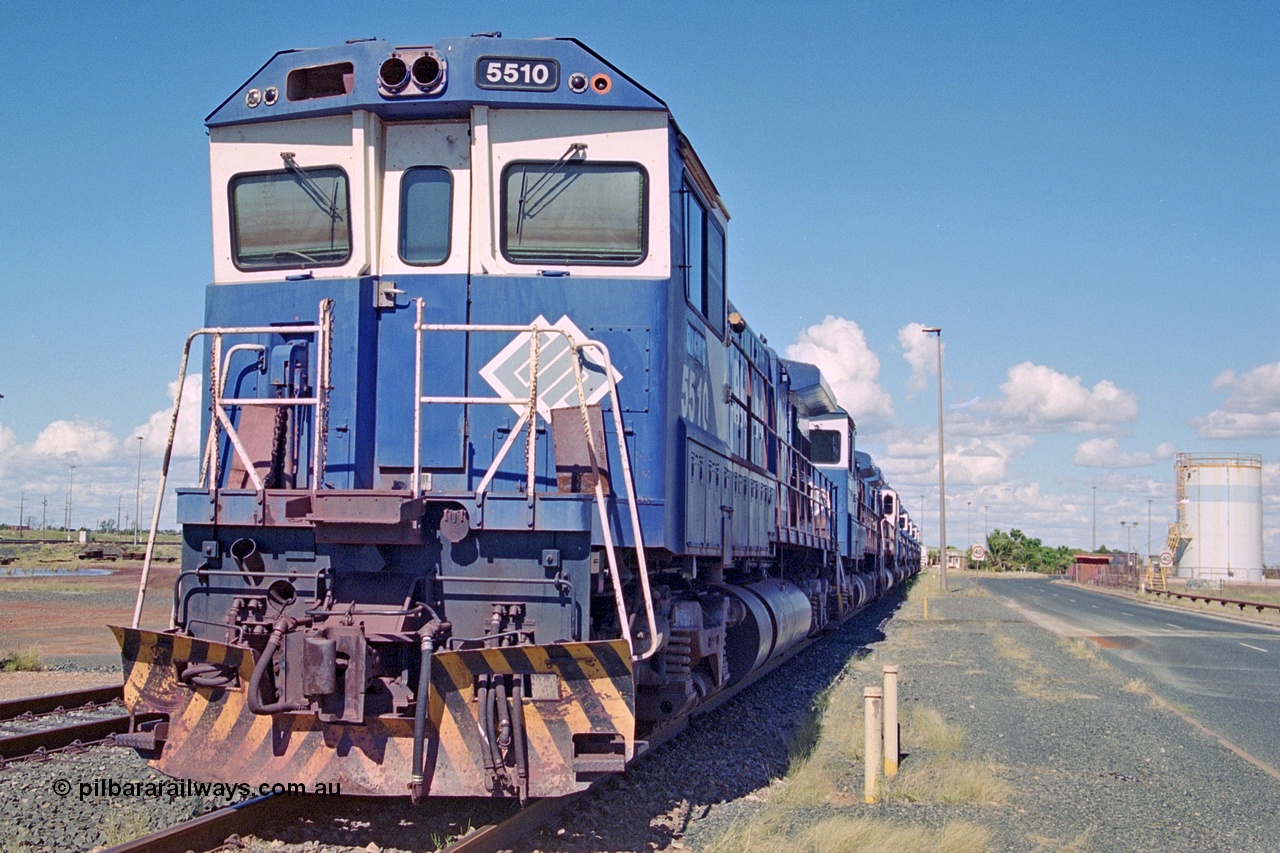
425, 204
291, 218
824, 447
703, 265
574, 213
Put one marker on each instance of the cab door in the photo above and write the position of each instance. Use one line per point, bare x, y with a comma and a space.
424, 252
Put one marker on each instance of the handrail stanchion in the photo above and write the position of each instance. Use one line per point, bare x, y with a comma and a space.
164, 476
415, 478
625, 458
209, 462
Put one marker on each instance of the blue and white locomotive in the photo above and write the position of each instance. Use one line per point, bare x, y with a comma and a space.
496, 482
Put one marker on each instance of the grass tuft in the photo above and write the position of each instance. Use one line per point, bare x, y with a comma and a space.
26, 660
1078, 648
927, 729
125, 824
856, 835
948, 780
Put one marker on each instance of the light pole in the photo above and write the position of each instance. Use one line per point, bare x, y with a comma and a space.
986, 535
1148, 528
968, 524
71, 487
1094, 546
1128, 553
942, 473
137, 495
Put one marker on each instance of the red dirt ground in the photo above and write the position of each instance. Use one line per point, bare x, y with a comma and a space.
66, 617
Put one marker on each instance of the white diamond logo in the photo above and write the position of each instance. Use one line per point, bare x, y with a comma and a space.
508, 371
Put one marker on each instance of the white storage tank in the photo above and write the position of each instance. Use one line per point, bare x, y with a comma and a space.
1219, 530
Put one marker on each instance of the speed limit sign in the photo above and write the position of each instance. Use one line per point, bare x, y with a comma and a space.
1166, 559
979, 553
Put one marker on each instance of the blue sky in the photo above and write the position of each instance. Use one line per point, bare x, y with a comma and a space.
1085, 196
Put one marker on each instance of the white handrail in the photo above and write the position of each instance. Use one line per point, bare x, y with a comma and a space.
208, 471
529, 418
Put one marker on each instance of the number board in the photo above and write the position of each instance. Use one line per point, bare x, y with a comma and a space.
517, 72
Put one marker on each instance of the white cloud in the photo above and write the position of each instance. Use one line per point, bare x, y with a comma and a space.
1045, 400
155, 432
1252, 407
75, 441
839, 349
106, 466
912, 460
921, 352
1106, 453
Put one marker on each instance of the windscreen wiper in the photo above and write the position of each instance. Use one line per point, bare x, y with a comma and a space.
313, 190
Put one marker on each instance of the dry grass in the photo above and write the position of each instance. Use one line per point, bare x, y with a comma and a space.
26, 660
926, 729
1034, 679
947, 780
47, 584
1078, 648
843, 834
125, 823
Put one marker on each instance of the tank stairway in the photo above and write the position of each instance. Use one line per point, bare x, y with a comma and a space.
1157, 580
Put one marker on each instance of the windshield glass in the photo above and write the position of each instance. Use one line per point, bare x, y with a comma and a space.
291, 218
568, 212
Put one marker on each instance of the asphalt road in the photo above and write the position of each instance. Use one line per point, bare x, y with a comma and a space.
1221, 673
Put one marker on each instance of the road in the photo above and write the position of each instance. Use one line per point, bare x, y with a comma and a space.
1223, 674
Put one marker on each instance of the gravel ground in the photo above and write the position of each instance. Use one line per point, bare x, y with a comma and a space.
1092, 766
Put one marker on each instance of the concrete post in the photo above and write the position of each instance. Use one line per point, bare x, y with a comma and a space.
891, 750
872, 698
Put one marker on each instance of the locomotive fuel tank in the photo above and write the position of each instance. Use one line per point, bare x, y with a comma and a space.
775, 615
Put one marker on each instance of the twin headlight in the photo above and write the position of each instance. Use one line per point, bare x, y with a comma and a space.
412, 72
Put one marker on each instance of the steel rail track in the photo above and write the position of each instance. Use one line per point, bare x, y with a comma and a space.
213, 830
63, 737
505, 834
52, 702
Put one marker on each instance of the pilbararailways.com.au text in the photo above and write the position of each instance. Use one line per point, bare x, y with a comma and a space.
189, 788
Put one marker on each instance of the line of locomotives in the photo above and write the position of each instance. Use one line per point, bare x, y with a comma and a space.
495, 481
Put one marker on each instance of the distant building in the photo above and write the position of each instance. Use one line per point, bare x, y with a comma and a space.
1105, 570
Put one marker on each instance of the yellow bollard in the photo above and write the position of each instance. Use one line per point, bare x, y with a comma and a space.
871, 733
926, 608
891, 751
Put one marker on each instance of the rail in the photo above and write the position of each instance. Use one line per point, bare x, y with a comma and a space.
55, 702
323, 330
73, 736
1196, 596
211, 831
529, 418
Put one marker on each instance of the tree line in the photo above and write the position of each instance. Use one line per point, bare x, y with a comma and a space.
1016, 551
